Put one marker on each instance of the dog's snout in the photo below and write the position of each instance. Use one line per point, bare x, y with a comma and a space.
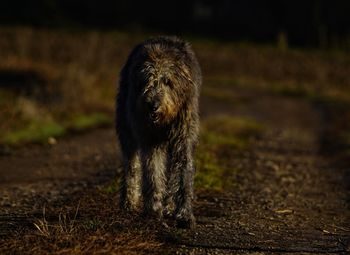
153, 105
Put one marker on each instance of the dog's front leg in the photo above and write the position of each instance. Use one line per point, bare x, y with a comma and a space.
182, 169
153, 180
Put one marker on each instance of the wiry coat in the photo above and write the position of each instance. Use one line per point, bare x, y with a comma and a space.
157, 125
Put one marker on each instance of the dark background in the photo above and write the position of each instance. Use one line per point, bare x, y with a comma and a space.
308, 23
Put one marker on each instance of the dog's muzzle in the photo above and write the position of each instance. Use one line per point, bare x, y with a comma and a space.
153, 110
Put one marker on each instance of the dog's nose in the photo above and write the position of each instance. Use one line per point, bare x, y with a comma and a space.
153, 106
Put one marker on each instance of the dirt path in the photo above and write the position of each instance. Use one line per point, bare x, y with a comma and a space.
288, 196
35, 176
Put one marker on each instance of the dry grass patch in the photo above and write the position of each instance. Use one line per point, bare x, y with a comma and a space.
88, 225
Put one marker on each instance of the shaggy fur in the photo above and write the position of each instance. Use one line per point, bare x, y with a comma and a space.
157, 125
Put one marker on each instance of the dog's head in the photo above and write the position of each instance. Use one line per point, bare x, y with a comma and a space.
164, 84
159, 100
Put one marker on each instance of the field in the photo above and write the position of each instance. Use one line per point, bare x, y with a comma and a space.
272, 163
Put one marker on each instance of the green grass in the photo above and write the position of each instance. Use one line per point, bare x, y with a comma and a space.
40, 131
82, 122
221, 138
34, 132
111, 187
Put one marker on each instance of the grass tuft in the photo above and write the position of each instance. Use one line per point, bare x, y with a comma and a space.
42, 226
65, 227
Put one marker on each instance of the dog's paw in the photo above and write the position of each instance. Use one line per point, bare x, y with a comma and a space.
128, 207
185, 222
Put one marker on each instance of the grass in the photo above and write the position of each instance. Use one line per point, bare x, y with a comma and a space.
78, 73
83, 122
34, 132
40, 131
222, 137
93, 226
65, 226
111, 187
287, 88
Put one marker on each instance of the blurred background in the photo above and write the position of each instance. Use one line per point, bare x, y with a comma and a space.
312, 23
59, 60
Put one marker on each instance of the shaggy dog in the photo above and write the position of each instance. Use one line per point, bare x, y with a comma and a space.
157, 124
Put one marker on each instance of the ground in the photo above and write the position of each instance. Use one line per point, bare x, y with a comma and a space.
286, 196
272, 163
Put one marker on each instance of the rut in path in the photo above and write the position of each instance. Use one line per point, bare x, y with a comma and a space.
290, 197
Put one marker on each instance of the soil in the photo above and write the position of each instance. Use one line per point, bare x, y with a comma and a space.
290, 195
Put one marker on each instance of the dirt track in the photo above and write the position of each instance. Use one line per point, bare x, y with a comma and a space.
289, 195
